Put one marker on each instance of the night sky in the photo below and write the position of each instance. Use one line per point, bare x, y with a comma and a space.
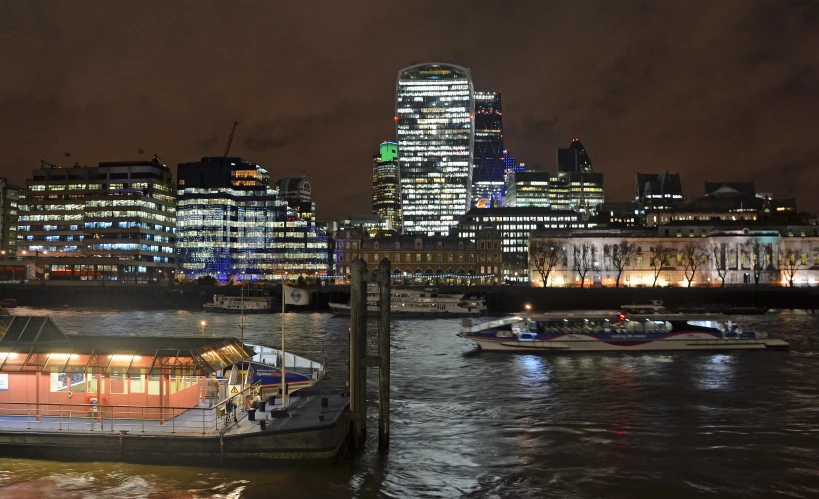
725, 90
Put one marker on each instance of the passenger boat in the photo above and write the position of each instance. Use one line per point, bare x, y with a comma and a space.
419, 303
264, 368
238, 304
613, 331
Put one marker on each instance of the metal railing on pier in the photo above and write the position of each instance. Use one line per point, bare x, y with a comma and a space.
51, 417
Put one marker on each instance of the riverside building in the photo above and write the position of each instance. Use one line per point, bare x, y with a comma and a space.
435, 129
726, 253
421, 260
233, 226
514, 226
114, 221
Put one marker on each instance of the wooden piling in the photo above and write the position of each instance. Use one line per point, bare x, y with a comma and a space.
384, 276
358, 352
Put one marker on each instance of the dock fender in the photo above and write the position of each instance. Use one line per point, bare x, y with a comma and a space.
222, 447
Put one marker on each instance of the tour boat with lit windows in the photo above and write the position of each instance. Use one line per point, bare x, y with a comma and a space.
613, 331
420, 303
238, 304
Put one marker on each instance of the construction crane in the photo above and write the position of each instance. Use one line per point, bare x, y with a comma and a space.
230, 138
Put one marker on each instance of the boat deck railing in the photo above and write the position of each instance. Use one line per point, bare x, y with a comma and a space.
80, 417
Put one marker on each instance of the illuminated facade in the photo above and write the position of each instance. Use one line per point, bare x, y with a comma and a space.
386, 194
233, 225
8, 217
528, 189
115, 221
732, 253
488, 186
576, 180
435, 131
419, 260
514, 226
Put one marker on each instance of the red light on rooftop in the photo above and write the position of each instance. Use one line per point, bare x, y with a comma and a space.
396, 118
575, 140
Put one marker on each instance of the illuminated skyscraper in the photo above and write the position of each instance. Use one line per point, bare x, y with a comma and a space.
436, 131
488, 185
386, 194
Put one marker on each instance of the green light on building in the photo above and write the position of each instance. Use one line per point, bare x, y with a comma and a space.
389, 151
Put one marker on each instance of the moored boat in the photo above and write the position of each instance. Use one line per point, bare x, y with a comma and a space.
427, 303
612, 331
238, 304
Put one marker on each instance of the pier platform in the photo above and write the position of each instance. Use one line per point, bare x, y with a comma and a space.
312, 428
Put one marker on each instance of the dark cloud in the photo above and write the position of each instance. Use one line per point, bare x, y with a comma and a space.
712, 90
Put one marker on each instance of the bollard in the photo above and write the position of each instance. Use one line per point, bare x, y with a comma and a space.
324, 402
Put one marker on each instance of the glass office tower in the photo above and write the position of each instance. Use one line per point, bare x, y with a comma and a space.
435, 128
488, 187
386, 197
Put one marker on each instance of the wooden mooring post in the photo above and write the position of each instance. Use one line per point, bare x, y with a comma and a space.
360, 360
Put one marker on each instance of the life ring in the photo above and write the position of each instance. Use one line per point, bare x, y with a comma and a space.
70, 394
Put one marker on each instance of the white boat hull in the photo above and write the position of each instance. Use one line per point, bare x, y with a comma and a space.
595, 345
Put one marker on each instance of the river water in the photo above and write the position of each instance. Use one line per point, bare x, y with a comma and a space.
500, 425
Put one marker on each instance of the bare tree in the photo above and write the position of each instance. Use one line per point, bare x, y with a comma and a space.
694, 256
754, 251
545, 256
790, 264
621, 255
720, 263
582, 260
662, 257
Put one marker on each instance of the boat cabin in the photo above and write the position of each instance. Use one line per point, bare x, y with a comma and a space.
40, 364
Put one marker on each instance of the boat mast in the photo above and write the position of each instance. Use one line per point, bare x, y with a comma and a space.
242, 328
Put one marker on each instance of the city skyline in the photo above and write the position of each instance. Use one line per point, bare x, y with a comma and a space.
100, 83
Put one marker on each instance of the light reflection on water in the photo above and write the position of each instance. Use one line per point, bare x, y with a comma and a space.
581, 425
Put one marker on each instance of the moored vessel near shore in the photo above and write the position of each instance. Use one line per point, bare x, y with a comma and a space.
612, 331
238, 304
420, 303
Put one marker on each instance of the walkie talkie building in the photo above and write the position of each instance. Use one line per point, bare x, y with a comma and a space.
435, 128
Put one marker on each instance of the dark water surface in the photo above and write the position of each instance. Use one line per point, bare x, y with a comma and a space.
499, 425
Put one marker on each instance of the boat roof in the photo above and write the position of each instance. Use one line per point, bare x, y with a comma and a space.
31, 344
632, 317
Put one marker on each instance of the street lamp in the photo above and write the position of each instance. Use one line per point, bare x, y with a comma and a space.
527, 307
203, 324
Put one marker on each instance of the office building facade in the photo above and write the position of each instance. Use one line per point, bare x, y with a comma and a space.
422, 260
577, 186
298, 193
233, 226
528, 189
386, 189
114, 221
9, 194
488, 186
435, 129
514, 226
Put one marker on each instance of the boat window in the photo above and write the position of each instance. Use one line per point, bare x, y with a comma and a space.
634, 327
